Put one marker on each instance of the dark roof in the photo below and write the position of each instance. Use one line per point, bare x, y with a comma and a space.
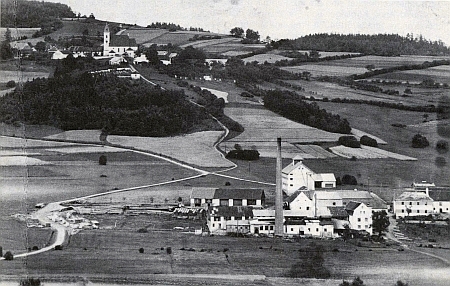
256, 194
295, 222
122, 41
292, 197
440, 195
338, 212
351, 206
227, 211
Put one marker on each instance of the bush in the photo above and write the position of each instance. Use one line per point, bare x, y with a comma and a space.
349, 141
248, 155
59, 247
366, 140
30, 282
102, 160
35, 248
142, 230
169, 250
349, 180
8, 256
141, 250
419, 141
442, 146
11, 84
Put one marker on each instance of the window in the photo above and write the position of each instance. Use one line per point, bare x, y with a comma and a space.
237, 202
426, 211
291, 185
307, 208
224, 202
317, 230
366, 219
418, 203
418, 211
266, 227
216, 218
325, 230
251, 202
291, 179
359, 226
309, 229
403, 203
271, 227
334, 203
410, 203
261, 227
359, 219
214, 225
403, 211
292, 229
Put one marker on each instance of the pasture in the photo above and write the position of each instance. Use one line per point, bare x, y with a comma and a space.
366, 152
195, 148
318, 70
143, 35
17, 33
262, 58
440, 74
89, 249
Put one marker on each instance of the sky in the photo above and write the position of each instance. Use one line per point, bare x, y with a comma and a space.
281, 18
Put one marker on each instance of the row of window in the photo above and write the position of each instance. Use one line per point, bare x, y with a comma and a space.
365, 226
366, 219
217, 218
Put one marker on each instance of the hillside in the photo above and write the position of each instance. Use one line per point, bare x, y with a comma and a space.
380, 44
33, 14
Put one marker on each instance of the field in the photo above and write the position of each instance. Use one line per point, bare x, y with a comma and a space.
143, 36
78, 135
366, 152
323, 54
262, 58
317, 70
18, 32
196, 148
175, 38
440, 74
420, 96
215, 255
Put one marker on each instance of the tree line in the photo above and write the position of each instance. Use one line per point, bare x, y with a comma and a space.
292, 106
379, 44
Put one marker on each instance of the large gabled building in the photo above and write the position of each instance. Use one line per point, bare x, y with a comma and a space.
118, 44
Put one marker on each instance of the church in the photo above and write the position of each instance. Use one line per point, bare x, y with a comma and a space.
118, 44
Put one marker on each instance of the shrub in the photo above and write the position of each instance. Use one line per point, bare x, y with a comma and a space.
141, 250
349, 180
35, 248
30, 282
368, 141
227, 183
142, 230
169, 250
349, 141
102, 160
11, 84
59, 247
419, 141
442, 146
248, 155
8, 256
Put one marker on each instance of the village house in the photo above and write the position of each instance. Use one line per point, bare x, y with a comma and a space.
359, 216
297, 175
118, 44
226, 219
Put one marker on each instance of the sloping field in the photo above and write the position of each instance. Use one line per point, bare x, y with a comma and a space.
440, 74
313, 151
323, 70
20, 161
14, 142
21, 76
231, 53
381, 62
78, 135
196, 148
176, 38
18, 32
218, 93
366, 152
358, 134
206, 43
86, 149
144, 35
262, 127
329, 54
262, 58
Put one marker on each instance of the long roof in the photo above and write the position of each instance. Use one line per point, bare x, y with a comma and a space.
255, 194
122, 41
203, 193
227, 211
413, 196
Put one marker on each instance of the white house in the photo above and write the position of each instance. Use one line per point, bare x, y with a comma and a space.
359, 216
224, 219
117, 60
309, 227
58, 55
118, 44
297, 175
413, 204
141, 59
300, 204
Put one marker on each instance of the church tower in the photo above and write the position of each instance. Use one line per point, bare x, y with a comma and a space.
106, 39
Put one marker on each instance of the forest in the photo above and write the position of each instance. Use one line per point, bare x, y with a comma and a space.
34, 14
79, 100
380, 44
292, 106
